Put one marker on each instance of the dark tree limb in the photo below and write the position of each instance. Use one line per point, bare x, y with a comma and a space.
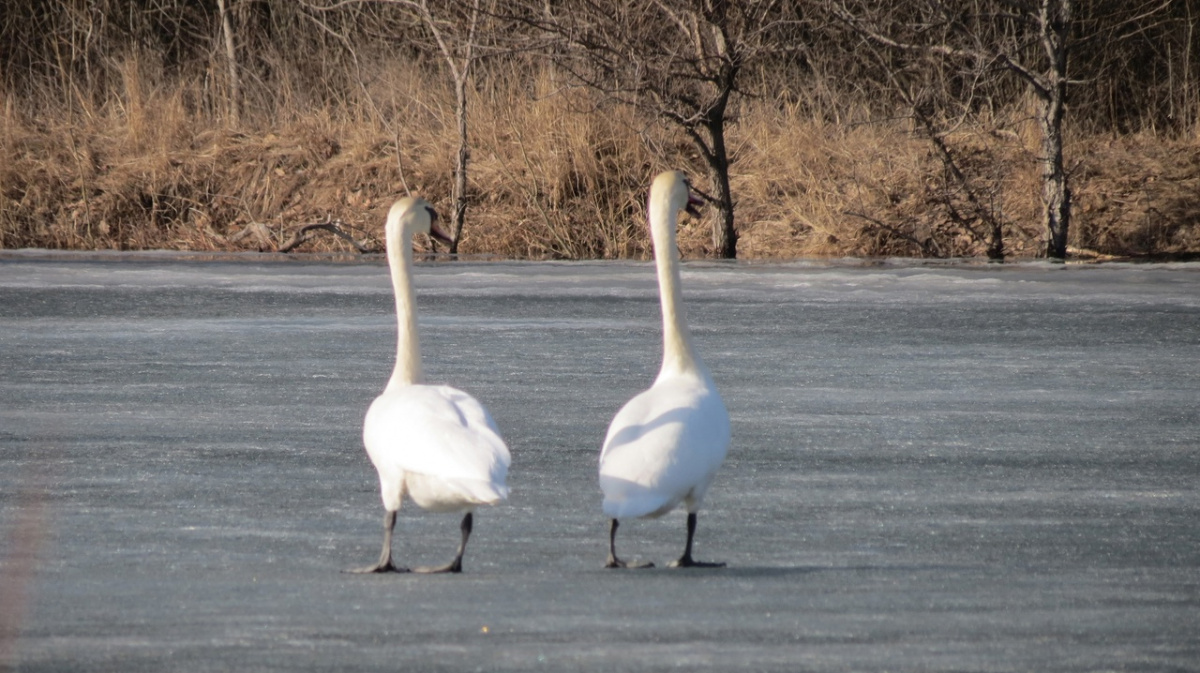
928, 248
306, 233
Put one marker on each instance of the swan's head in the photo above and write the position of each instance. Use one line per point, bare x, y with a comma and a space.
415, 216
676, 188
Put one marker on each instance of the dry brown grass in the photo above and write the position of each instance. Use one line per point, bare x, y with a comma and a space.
554, 173
1138, 195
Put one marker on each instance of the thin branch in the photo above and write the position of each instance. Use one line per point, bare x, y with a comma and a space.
303, 235
895, 231
1039, 83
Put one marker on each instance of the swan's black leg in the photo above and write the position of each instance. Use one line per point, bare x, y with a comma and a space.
385, 557
454, 566
613, 561
686, 561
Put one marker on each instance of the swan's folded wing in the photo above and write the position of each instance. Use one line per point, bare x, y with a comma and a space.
663, 444
624, 498
437, 431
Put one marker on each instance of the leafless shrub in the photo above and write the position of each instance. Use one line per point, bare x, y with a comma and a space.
116, 129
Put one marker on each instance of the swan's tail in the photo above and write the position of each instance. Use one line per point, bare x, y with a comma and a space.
483, 492
453, 495
624, 499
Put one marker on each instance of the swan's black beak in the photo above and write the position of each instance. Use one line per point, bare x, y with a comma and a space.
435, 231
693, 203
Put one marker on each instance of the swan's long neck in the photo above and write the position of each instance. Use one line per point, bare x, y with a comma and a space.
678, 355
408, 347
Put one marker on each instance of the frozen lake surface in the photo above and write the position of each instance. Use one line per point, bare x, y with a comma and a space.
934, 468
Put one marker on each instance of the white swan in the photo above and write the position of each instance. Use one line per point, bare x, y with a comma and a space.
435, 444
664, 446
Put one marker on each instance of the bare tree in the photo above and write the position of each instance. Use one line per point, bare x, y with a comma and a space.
455, 34
1026, 38
454, 27
231, 57
968, 205
679, 60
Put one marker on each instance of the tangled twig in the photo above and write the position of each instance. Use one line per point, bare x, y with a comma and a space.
335, 227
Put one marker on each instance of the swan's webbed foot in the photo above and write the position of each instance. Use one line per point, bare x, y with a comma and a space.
387, 567
454, 566
686, 561
614, 562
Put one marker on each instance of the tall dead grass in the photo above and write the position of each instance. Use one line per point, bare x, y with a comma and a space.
555, 173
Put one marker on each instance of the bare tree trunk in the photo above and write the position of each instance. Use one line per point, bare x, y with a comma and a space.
724, 236
460, 163
231, 57
1055, 20
1056, 194
460, 61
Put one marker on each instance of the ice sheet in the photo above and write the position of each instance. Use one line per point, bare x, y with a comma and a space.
934, 467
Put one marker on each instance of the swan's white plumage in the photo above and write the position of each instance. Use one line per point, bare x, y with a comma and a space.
437, 445
663, 448
433, 443
665, 445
